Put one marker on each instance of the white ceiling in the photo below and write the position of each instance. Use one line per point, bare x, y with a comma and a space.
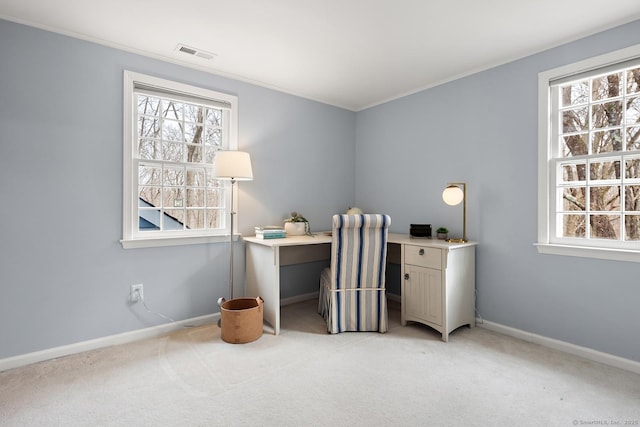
349, 53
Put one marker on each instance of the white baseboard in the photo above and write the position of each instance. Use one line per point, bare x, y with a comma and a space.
299, 298
394, 297
159, 330
584, 352
314, 295
140, 334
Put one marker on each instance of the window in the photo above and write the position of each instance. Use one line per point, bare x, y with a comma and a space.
589, 158
172, 134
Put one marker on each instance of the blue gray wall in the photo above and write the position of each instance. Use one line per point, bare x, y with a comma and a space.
64, 277
483, 130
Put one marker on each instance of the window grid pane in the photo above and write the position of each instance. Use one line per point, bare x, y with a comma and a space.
173, 137
599, 116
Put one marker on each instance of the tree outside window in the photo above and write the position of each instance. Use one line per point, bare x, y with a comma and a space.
597, 156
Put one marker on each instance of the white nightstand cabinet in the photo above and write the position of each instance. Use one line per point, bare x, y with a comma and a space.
438, 284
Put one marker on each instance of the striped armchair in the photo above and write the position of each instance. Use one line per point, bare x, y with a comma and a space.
352, 290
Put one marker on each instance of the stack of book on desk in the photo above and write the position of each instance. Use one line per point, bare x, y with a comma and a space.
270, 232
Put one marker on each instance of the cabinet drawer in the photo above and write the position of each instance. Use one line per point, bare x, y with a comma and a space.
423, 257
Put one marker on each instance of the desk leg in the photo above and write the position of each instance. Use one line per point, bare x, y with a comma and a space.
263, 280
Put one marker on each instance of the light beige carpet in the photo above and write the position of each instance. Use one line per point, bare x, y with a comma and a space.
305, 377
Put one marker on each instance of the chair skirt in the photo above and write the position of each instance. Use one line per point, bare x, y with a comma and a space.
360, 309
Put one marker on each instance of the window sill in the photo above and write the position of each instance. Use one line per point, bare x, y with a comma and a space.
588, 252
156, 242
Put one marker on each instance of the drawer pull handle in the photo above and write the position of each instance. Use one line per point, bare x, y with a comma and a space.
421, 251
406, 276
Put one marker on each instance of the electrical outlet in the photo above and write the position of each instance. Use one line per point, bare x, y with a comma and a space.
136, 293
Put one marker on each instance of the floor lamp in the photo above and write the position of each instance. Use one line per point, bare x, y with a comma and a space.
232, 166
453, 195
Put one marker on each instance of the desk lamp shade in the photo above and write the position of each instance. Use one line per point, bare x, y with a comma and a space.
233, 165
453, 194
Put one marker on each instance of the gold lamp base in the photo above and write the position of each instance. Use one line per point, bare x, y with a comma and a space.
457, 240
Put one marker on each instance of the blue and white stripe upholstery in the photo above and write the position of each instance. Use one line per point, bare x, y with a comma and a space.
352, 290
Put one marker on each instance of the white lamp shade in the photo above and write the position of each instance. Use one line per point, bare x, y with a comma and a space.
452, 195
233, 165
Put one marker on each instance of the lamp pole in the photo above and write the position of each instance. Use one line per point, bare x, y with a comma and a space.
464, 212
233, 212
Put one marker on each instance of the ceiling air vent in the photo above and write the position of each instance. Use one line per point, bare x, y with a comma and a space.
195, 52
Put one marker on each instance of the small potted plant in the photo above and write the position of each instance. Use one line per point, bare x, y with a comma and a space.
442, 233
297, 225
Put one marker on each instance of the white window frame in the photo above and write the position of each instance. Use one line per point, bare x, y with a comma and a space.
131, 236
547, 242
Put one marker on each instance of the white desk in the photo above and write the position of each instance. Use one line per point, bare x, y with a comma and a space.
265, 257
